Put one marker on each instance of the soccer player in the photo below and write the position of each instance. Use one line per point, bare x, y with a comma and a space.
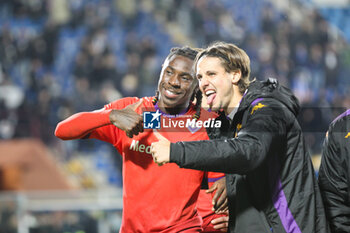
334, 174
156, 199
271, 185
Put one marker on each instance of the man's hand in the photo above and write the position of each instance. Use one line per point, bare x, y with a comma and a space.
160, 150
127, 119
221, 223
220, 202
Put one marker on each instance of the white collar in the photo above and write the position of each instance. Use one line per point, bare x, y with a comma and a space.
232, 114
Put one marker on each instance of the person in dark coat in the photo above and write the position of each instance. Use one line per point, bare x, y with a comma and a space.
334, 174
271, 184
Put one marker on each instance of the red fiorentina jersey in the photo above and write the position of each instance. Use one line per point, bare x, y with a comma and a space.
156, 198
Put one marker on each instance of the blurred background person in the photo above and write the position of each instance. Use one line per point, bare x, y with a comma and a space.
334, 172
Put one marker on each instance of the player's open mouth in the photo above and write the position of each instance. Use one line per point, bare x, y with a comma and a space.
171, 94
210, 94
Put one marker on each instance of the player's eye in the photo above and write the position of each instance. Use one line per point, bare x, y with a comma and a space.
185, 77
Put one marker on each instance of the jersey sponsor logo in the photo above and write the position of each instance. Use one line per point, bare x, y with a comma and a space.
138, 147
151, 120
256, 107
348, 135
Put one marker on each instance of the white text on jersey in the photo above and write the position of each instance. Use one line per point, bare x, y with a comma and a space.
136, 146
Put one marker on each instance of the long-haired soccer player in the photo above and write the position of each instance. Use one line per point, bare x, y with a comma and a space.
271, 184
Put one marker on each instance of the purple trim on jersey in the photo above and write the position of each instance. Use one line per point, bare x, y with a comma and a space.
280, 201
169, 115
344, 114
215, 179
256, 101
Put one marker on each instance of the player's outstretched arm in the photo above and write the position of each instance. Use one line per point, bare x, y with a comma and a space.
81, 124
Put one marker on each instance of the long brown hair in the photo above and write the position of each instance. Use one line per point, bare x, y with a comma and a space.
232, 58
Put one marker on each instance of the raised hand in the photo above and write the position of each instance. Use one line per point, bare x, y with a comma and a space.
160, 150
127, 119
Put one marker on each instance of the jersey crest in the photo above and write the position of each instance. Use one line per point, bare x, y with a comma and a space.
256, 107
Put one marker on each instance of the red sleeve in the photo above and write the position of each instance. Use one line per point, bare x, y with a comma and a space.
81, 124
95, 124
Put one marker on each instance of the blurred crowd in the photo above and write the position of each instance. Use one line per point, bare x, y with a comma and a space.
53, 222
59, 57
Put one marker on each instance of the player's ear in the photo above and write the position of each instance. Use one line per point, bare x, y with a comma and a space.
236, 76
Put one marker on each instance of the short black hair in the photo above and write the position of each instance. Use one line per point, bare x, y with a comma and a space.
185, 51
